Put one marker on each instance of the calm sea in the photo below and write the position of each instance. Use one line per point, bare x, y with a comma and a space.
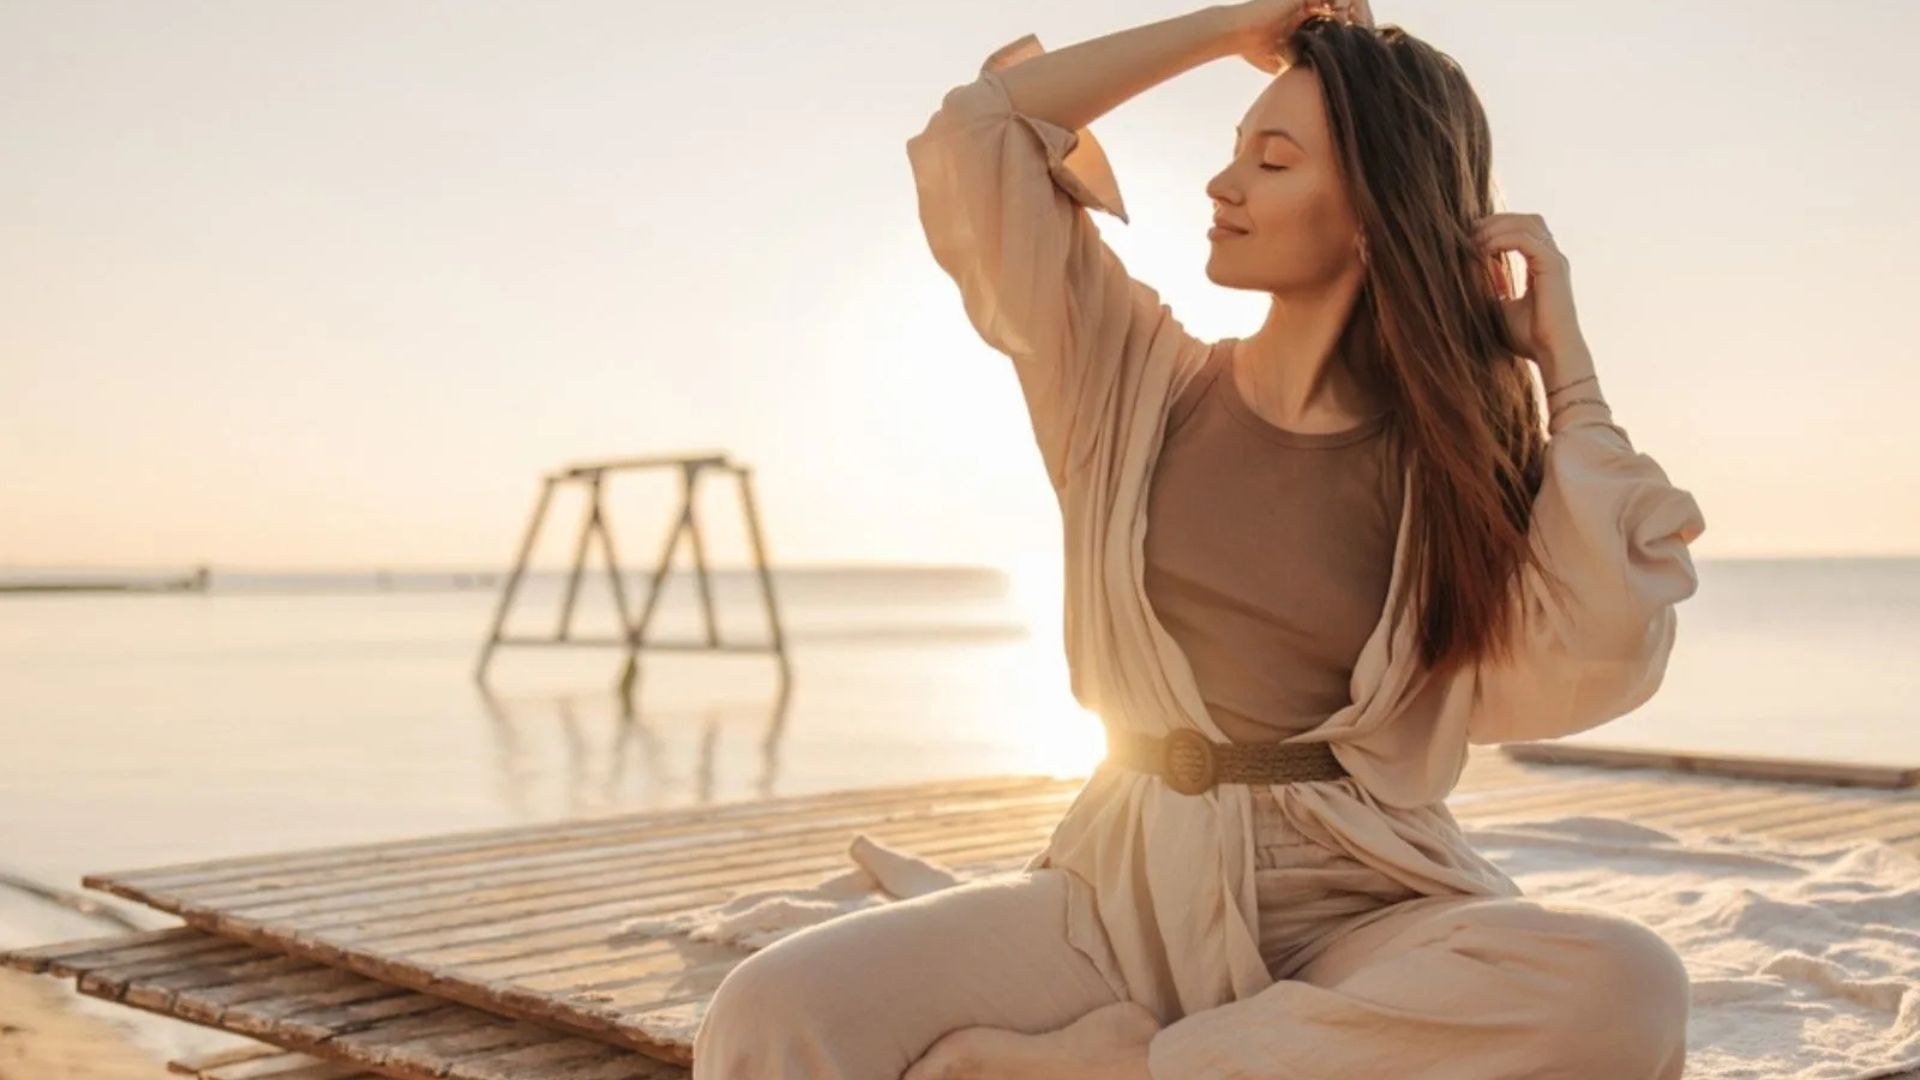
283, 711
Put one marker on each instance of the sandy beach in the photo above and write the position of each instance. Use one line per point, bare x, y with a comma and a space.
51, 1031
48, 1033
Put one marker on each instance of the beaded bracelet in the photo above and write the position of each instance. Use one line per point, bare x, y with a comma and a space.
1572, 384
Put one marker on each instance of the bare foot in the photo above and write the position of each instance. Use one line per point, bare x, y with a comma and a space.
1109, 1043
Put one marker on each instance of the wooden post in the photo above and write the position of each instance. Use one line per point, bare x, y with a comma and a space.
579, 557
745, 475
690, 478
512, 584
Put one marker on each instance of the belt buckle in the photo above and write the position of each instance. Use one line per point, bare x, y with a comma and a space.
1187, 761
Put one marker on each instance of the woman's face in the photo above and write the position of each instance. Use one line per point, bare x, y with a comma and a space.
1285, 191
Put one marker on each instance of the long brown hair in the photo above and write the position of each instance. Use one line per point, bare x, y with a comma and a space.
1426, 333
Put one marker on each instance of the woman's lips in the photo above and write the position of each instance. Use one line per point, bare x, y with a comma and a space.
1221, 232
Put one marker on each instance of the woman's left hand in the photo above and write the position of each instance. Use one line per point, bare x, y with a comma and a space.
1262, 27
1543, 321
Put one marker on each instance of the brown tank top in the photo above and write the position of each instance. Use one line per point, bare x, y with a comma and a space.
1268, 553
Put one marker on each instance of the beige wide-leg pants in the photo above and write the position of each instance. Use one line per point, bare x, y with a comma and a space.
1375, 981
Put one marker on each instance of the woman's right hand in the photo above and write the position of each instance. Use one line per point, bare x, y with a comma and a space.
1265, 25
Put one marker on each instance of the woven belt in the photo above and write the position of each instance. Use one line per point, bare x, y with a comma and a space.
1191, 763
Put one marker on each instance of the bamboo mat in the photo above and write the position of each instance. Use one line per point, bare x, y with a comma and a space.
513, 934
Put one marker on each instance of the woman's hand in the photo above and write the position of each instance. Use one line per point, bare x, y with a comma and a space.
1265, 25
1543, 322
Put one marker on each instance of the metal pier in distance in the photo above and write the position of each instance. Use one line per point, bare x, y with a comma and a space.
594, 476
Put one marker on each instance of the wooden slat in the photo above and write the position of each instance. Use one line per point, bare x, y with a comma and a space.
220, 1059
48, 958
266, 1062
860, 804
406, 891
490, 911
1742, 766
1553, 789
1788, 811
1790, 806
1487, 767
1633, 800
1760, 799
356, 1027
1710, 802
1893, 830
1849, 817
1582, 796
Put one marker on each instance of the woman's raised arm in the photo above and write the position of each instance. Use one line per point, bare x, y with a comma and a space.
1006, 171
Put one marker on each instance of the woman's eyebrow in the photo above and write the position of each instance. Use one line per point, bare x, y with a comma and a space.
1282, 132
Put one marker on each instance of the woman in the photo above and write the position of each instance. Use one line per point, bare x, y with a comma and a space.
1304, 571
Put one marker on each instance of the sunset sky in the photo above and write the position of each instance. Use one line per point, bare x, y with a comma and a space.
315, 285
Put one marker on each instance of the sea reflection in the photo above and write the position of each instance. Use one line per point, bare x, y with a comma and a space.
613, 756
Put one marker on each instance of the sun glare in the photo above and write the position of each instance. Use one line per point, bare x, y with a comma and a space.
1069, 742
1059, 737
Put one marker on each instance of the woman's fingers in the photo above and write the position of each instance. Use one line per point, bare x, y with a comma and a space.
1544, 321
1269, 24
1507, 219
1526, 233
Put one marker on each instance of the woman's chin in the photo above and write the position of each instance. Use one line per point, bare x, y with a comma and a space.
1219, 275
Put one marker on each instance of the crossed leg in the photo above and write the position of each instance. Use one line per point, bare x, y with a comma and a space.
1434, 988
864, 995
1455, 988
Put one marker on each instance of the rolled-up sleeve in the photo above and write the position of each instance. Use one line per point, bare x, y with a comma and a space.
1004, 198
1609, 523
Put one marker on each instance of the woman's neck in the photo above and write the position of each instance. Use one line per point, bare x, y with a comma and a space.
1286, 372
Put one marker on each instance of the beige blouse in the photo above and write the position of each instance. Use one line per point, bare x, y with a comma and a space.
1267, 553
1004, 199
